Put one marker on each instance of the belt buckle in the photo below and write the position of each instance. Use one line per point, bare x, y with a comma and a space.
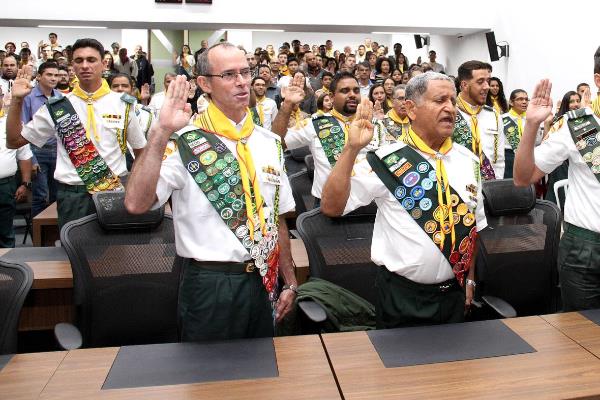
250, 267
445, 287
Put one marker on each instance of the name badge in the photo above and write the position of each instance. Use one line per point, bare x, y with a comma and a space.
271, 175
113, 121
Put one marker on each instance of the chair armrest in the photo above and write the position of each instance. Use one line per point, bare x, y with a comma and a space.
312, 310
68, 336
500, 306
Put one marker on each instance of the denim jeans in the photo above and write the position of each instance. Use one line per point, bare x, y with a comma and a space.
44, 185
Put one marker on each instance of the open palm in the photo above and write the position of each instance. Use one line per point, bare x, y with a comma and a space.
540, 106
361, 130
176, 111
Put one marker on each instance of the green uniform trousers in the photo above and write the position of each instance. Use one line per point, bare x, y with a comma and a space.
579, 268
221, 305
72, 202
402, 302
8, 187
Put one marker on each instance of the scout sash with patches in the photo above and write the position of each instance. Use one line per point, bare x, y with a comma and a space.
89, 164
217, 172
586, 136
462, 135
412, 181
331, 135
394, 129
511, 131
255, 116
122, 133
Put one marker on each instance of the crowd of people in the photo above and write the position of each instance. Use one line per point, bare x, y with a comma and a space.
409, 136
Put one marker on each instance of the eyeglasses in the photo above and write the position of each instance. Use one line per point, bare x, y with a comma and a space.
230, 76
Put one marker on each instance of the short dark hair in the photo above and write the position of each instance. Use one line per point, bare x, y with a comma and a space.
514, 93
53, 34
321, 99
380, 61
326, 73
112, 77
88, 42
597, 61
63, 68
364, 64
581, 85
46, 65
264, 66
292, 59
338, 77
7, 43
465, 71
257, 78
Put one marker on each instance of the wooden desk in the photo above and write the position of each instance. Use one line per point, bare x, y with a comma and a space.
580, 329
304, 373
26, 375
45, 227
559, 369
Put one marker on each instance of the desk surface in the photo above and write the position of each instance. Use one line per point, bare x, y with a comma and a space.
559, 369
304, 373
577, 327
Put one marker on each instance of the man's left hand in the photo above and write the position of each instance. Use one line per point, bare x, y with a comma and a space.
21, 194
469, 293
284, 304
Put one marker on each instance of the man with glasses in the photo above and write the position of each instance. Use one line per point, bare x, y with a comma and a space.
225, 176
395, 124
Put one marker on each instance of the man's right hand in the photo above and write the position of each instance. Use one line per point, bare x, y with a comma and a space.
176, 111
360, 133
540, 105
22, 85
294, 93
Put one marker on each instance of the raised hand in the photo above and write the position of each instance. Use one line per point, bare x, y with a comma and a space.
586, 100
176, 111
145, 92
378, 110
22, 84
293, 93
540, 105
360, 133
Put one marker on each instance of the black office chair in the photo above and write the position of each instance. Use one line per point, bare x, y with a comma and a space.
517, 259
15, 282
301, 185
125, 276
310, 166
339, 251
294, 160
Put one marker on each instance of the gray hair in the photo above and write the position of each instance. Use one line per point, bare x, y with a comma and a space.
398, 87
417, 86
203, 67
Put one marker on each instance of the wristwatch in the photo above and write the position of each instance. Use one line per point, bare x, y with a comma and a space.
293, 288
471, 282
26, 184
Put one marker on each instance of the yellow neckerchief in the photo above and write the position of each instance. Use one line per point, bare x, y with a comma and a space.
596, 106
389, 102
496, 104
403, 122
519, 118
475, 136
443, 186
90, 99
215, 121
297, 117
345, 122
261, 108
284, 71
325, 90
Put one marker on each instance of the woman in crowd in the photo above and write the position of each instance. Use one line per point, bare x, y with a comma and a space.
324, 104
383, 69
388, 88
331, 65
397, 76
185, 61
496, 97
377, 97
108, 65
513, 123
402, 63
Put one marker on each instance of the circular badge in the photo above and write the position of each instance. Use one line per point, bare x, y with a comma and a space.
238, 189
335, 129
423, 167
235, 165
241, 231
193, 166
226, 213
432, 175
233, 223
454, 200
228, 172
213, 195
511, 129
191, 136
596, 151
411, 179
454, 257
247, 242
437, 237
229, 158
218, 179
230, 198
596, 160
440, 213
233, 180
591, 140
221, 164
464, 245
462, 209
237, 204
446, 227
581, 144
430, 226
408, 203
208, 157
427, 183
224, 188
416, 213
211, 170
400, 192
417, 193
469, 219
324, 133
206, 186
455, 218
587, 157
425, 204
220, 204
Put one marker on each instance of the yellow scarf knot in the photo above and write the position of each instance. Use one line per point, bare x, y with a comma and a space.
90, 98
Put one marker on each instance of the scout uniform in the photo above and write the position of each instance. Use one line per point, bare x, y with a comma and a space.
479, 129
439, 227
512, 127
326, 136
93, 131
229, 187
577, 139
395, 126
264, 113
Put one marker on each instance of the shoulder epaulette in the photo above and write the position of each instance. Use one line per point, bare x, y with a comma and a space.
55, 99
489, 108
146, 108
581, 112
128, 98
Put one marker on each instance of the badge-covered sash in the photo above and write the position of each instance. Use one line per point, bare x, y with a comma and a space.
255, 116
462, 135
412, 181
394, 129
89, 164
511, 131
586, 135
331, 135
217, 172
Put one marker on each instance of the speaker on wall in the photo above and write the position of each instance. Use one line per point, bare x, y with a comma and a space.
421, 41
493, 47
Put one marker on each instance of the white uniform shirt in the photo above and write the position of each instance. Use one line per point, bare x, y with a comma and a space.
307, 136
9, 157
41, 128
538, 138
582, 204
156, 102
200, 232
398, 242
6, 85
490, 127
269, 111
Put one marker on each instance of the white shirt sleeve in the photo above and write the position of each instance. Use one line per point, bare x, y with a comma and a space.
364, 188
40, 128
24, 152
135, 134
553, 151
303, 136
172, 174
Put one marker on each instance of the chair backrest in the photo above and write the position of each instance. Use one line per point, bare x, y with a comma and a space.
125, 276
518, 251
15, 281
301, 185
292, 165
339, 250
564, 184
310, 166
